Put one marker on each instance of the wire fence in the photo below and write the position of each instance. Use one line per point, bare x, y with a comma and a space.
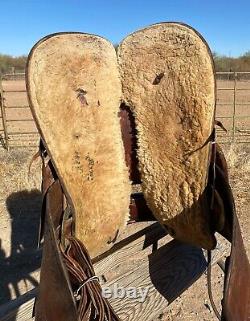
17, 127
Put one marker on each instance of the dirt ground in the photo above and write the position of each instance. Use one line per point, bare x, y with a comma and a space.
20, 205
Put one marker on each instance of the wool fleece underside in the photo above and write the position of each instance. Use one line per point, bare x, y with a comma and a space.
168, 82
165, 74
74, 91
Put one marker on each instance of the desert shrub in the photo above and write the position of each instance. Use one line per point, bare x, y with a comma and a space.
224, 63
8, 62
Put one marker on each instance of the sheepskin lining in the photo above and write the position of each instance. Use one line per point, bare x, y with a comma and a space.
75, 91
168, 82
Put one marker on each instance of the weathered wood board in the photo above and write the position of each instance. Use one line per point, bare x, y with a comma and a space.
145, 258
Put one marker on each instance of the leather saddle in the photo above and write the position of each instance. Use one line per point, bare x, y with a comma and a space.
69, 289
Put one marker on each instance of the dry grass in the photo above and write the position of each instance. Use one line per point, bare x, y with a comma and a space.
14, 171
20, 205
238, 158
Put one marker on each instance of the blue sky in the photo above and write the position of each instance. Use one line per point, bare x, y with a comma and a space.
224, 24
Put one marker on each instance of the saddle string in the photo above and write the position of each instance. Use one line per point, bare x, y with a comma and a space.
85, 284
209, 253
209, 285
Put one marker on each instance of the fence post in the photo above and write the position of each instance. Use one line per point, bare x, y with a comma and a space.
6, 137
234, 106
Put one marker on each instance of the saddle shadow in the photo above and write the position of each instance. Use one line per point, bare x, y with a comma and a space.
24, 209
175, 267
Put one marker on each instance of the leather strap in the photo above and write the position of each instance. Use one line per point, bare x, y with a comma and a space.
236, 298
68, 289
55, 300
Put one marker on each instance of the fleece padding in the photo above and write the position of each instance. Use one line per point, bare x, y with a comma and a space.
168, 82
74, 91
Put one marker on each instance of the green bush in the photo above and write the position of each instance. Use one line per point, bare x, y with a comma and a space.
224, 63
8, 63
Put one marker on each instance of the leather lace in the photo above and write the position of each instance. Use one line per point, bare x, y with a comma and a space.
91, 305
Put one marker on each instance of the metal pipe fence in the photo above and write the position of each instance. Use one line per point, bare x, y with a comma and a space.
3, 116
18, 127
240, 97
233, 104
14, 76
